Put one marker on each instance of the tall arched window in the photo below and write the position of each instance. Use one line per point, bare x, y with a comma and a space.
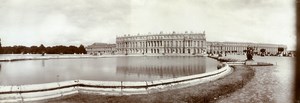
160, 43
168, 43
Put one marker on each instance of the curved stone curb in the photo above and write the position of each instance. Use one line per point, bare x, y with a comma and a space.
24, 93
234, 62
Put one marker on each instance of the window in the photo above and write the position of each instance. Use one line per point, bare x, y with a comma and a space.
179, 43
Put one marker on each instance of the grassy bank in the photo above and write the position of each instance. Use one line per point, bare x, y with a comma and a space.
208, 92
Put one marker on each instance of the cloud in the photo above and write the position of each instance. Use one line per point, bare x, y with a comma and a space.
74, 22
55, 22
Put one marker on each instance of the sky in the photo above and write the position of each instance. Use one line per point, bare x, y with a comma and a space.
75, 22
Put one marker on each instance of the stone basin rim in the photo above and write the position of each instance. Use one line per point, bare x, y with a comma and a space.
104, 84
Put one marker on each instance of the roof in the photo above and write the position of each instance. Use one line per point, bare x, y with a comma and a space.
245, 43
100, 45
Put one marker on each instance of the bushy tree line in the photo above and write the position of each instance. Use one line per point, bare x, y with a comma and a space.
42, 49
0, 48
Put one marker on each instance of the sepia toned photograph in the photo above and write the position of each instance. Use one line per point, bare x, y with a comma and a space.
149, 51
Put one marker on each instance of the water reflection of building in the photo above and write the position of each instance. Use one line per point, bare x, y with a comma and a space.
101, 48
180, 43
152, 66
239, 47
162, 71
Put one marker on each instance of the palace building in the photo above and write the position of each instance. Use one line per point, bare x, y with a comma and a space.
175, 43
179, 43
101, 48
240, 47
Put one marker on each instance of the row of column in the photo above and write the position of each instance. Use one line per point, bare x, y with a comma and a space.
164, 50
240, 49
168, 43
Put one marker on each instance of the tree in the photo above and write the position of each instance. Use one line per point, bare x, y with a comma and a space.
263, 50
280, 49
82, 49
1, 50
72, 49
41, 49
19, 49
34, 49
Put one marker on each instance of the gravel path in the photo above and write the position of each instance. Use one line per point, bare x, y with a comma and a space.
265, 87
270, 84
259, 90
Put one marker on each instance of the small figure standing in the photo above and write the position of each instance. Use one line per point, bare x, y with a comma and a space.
250, 53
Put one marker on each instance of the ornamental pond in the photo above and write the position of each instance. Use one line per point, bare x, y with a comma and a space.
141, 68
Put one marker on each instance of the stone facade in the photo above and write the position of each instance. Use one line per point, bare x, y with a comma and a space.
101, 48
178, 43
239, 47
174, 43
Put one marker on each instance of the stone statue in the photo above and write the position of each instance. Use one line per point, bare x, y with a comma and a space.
250, 53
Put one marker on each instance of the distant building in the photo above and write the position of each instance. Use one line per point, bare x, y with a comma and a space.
181, 43
175, 43
239, 47
101, 48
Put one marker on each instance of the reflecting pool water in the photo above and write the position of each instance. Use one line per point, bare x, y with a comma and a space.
104, 69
